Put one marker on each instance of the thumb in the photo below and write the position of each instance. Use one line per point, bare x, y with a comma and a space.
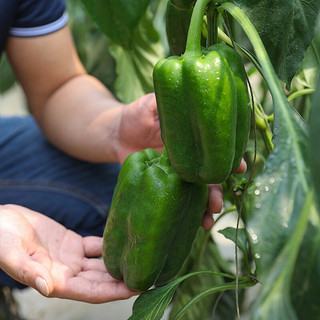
40, 279
31, 273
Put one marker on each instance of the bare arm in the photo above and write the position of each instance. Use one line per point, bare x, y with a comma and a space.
78, 114
74, 110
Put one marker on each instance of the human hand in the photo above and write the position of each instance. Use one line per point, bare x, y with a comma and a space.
215, 202
139, 127
41, 253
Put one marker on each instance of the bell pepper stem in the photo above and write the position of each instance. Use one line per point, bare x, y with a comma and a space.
164, 159
193, 46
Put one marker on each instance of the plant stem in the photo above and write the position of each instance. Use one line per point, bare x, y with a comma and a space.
193, 46
281, 104
224, 37
262, 124
202, 249
227, 286
261, 118
299, 93
230, 209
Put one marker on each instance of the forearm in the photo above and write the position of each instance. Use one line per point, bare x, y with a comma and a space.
75, 111
82, 118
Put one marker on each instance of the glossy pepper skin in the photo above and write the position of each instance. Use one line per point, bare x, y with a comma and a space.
202, 126
243, 100
153, 213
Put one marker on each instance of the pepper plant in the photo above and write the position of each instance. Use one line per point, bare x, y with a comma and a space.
277, 232
277, 235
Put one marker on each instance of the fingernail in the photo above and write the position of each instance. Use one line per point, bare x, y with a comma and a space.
42, 286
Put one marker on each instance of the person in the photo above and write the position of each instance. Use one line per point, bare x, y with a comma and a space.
59, 165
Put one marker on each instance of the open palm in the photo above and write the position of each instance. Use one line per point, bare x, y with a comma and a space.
41, 253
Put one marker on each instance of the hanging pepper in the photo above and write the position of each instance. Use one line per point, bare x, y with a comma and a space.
203, 107
243, 101
152, 222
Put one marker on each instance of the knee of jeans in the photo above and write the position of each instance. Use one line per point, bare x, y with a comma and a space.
78, 211
7, 281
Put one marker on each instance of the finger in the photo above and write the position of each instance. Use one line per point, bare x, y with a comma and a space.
243, 167
208, 221
21, 267
150, 100
83, 289
215, 198
92, 246
97, 276
93, 264
154, 135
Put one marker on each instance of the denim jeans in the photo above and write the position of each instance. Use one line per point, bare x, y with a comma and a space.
36, 175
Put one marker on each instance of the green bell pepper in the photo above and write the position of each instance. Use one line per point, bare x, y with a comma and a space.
203, 107
152, 222
243, 100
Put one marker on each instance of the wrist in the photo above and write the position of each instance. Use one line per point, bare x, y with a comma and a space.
109, 124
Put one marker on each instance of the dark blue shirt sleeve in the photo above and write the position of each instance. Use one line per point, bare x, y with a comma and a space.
38, 17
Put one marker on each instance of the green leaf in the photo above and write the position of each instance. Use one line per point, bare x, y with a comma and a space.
222, 288
309, 68
7, 77
314, 150
274, 301
280, 203
304, 83
160, 9
286, 27
205, 255
305, 290
134, 45
117, 19
151, 304
134, 66
241, 239
275, 200
86, 35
